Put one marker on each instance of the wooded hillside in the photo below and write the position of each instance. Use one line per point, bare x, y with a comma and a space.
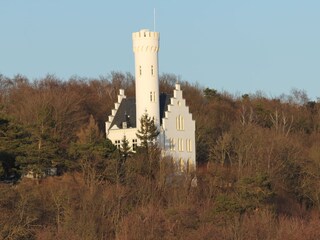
258, 166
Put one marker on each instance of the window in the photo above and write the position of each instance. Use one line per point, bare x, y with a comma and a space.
134, 144
181, 163
140, 70
171, 144
177, 123
152, 96
152, 72
117, 143
190, 166
180, 123
189, 145
180, 145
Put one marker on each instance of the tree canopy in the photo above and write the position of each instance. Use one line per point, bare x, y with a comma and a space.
258, 165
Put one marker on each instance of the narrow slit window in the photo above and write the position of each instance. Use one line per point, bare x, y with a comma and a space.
177, 123
152, 96
140, 70
173, 144
181, 122
152, 72
187, 145
182, 145
181, 165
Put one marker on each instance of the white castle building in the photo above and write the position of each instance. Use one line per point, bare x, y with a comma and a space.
171, 115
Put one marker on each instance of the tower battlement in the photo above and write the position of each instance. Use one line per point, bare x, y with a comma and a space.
145, 41
145, 34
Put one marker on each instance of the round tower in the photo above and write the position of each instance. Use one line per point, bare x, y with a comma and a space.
145, 48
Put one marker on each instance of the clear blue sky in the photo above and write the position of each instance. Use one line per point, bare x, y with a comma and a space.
236, 46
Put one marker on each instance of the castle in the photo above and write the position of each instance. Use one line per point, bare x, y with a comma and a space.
170, 113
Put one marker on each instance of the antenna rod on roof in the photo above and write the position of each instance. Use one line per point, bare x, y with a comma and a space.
154, 19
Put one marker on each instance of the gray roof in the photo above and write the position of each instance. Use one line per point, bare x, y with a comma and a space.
164, 102
127, 111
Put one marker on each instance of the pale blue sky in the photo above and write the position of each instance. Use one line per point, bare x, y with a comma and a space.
240, 46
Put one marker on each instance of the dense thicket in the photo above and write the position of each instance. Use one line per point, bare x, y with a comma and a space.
258, 166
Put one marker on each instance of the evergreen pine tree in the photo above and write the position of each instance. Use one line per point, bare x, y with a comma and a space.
91, 152
124, 153
148, 134
14, 140
124, 148
148, 131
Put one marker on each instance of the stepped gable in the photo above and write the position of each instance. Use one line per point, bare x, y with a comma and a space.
126, 113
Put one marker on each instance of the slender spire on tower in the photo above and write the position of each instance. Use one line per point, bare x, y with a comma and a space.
154, 19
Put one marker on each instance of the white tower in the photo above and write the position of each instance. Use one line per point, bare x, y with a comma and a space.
145, 48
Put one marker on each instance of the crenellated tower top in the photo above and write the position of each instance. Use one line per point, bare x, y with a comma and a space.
145, 41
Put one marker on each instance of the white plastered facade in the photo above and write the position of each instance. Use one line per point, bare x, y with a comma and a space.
116, 134
177, 137
177, 131
146, 48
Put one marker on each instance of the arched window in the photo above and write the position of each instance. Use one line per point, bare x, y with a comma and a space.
180, 123
177, 123
180, 145
190, 166
189, 145
181, 165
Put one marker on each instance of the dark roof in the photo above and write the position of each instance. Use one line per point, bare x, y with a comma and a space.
127, 111
164, 102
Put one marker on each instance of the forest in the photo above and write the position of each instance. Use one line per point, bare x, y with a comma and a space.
258, 165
